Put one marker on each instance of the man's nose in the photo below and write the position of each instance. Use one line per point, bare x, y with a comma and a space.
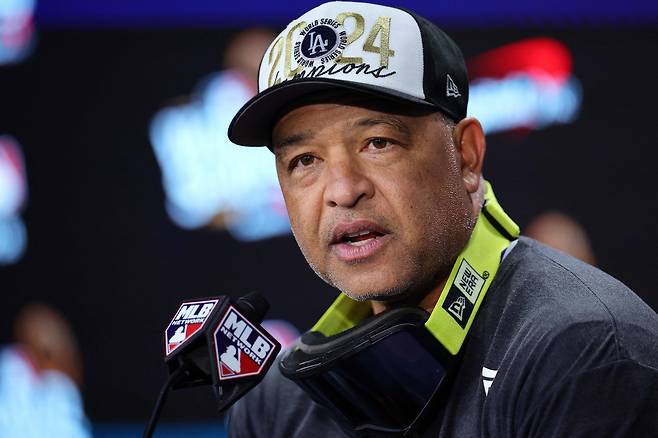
347, 184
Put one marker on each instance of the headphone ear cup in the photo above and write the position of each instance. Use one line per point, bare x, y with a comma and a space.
313, 338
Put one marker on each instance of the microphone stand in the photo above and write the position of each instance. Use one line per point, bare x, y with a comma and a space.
174, 378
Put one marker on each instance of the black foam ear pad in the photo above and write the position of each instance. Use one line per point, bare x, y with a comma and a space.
313, 338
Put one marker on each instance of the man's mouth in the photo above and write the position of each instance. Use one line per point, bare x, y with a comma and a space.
358, 240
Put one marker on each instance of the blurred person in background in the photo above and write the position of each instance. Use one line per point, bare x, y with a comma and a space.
563, 233
40, 378
244, 53
187, 136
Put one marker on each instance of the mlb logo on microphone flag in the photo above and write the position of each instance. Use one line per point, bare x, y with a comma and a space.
189, 319
241, 348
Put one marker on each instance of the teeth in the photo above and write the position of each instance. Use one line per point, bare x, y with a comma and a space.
360, 233
360, 242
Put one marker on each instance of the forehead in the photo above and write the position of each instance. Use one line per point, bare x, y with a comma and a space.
344, 107
356, 99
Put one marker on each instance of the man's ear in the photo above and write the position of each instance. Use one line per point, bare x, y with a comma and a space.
471, 146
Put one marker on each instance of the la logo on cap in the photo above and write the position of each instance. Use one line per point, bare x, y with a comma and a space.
321, 40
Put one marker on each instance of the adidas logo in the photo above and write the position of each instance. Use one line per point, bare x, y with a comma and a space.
488, 376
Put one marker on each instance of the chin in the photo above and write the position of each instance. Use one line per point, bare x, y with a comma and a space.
398, 290
388, 293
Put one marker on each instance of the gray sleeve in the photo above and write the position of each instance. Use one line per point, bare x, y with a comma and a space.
619, 399
278, 408
251, 416
242, 424
575, 380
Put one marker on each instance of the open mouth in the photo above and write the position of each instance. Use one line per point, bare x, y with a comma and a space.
360, 238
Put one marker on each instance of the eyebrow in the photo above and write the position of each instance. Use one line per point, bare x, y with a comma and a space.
292, 140
301, 137
395, 123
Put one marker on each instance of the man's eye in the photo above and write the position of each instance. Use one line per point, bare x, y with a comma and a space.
304, 160
379, 143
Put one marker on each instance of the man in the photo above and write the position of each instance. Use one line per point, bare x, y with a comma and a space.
448, 324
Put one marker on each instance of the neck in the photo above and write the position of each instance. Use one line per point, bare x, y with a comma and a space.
427, 303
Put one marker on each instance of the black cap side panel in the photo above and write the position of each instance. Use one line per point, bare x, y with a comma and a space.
435, 81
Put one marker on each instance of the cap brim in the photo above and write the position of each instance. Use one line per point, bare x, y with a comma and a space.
253, 123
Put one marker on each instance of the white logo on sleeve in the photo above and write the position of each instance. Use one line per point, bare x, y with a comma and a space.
488, 376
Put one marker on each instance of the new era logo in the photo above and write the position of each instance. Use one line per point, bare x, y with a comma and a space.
464, 292
457, 308
451, 88
469, 282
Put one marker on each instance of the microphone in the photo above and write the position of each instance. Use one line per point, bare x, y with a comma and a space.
219, 342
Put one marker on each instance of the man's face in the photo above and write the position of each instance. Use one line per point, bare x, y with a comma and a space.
376, 198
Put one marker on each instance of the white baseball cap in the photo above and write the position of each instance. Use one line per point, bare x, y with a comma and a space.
385, 51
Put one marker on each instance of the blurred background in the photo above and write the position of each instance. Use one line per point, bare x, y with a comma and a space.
120, 195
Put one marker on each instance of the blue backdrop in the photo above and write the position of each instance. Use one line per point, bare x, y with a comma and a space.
478, 13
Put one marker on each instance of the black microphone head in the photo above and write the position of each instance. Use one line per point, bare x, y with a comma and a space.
254, 305
219, 341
